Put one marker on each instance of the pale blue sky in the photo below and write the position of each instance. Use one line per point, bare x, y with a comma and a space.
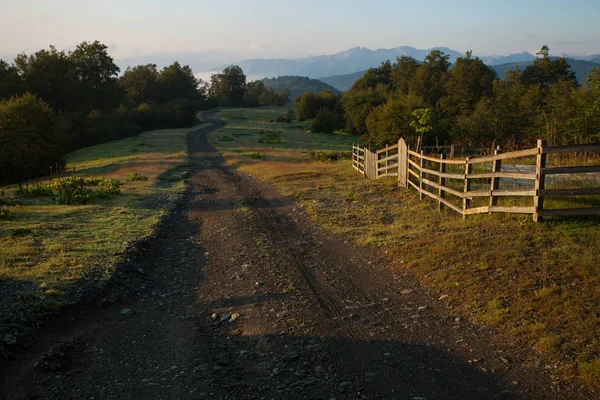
300, 27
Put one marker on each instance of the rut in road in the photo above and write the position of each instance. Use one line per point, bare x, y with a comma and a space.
248, 299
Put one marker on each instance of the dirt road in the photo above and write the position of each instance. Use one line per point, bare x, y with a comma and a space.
245, 298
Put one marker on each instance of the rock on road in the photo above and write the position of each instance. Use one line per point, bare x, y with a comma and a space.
247, 299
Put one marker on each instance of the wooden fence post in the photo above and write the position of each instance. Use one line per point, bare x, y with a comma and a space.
442, 181
421, 176
495, 184
540, 180
451, 151
466, 201
402, 163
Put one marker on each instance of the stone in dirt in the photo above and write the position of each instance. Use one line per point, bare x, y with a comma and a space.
443, 297
406, 292
224, 317
127, 311
234, 316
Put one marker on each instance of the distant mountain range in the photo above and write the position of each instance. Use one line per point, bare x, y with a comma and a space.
360, 59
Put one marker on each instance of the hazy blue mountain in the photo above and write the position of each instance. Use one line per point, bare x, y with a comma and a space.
343, 82
595, 58
345, 62
511, 58
580, 67
298, 85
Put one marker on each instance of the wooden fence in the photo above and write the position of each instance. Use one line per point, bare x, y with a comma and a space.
469, 180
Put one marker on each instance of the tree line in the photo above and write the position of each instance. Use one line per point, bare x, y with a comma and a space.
52, 102
465, 103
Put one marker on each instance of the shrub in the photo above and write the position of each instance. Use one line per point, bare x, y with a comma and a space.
35, 191
287, 116
327, 156
134, 176
4, 213
271, 138
255, 155
325, 121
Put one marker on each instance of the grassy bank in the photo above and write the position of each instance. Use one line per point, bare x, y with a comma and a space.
537, 284
48, 248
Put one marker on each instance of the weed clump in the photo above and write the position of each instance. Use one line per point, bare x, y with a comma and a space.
134, 176
75, 189
272, 138
4, 213
255, 155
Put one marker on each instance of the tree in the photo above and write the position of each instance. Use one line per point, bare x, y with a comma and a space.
10, 81
307, 106
545, 72
467, 82
229, 87
51, 75
283, 96
390, 121
253, 93
141, 84
422, 121
177, 82
32, 138
97, 75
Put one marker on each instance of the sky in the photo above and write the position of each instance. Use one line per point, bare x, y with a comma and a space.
238, 29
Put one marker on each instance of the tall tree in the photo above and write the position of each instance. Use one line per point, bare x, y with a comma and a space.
50, 74
177, 82
10, 81
97, 74
141, 84
545, 72
229, 87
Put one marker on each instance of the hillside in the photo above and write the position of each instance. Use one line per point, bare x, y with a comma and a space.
580, 67
298, 85
343, 82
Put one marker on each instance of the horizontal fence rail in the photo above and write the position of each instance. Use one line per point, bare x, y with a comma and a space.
469, 180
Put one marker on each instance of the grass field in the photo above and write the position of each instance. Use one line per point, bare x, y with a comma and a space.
48, 247
537, 284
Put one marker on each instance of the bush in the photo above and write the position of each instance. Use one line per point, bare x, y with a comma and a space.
327, 156
255, 155
271, 138
134, 176
325, 121
4, 213
32, 138
287, 116
35, 191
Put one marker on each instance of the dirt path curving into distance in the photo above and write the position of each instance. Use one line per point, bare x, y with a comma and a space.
298, 314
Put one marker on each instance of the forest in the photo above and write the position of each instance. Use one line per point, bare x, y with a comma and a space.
467, 104
52, 102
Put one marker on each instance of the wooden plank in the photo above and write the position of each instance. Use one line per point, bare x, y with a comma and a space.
388, 174
444, 174
570, 192
446, 202
413, 173
567, 212
442, 183
414, 164
393, 157
467, 187
540, 181
477, 210
385, 168
413, 153
402, 163
441, 187
507, 192
513, 175
513, 210
395, 146
571, 170
577, 148
421, 176
495, 182
505, 156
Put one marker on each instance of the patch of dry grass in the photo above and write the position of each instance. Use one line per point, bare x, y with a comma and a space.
536, 283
